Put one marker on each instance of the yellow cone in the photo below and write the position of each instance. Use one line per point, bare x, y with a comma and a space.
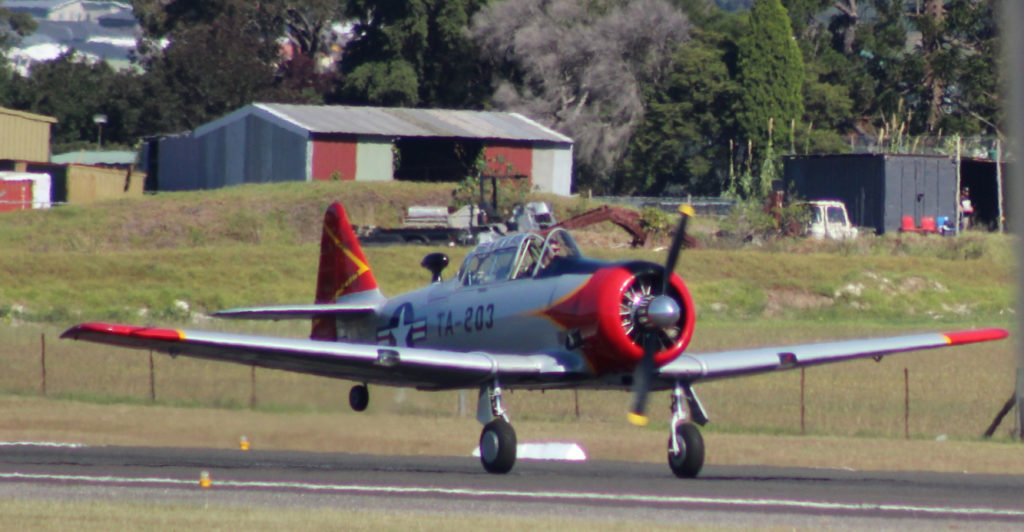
243, 443
204, 480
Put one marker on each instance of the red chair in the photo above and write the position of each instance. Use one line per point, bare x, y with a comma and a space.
928, 225
908, 224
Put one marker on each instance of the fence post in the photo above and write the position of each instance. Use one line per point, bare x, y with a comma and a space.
42, 361
252, 396
803, 426
152, 380
906, 404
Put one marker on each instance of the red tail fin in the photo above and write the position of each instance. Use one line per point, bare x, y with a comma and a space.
343, 268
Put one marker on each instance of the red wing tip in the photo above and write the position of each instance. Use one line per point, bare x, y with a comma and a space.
114, 329
982, 335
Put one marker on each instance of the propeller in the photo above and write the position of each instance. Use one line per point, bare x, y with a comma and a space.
659, 313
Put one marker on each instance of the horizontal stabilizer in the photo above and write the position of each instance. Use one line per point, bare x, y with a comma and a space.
293, 312
355, 305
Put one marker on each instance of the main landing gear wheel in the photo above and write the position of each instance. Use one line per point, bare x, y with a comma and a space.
359, 397
688, 462
498, 446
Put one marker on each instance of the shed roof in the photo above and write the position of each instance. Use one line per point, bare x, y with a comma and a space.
397, 122
110, 157
27, 115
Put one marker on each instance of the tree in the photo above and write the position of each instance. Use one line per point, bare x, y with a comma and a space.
579, 67
957, 85
844, 25
771, 75
13, 26
205, 58
306, 24
412, 53
74, 90
683, 141
206, 72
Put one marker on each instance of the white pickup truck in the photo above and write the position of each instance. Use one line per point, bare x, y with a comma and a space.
829, 220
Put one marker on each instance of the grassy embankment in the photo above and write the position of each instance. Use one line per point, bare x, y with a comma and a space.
169, 258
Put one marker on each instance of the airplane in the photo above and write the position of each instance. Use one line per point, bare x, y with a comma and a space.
525, 311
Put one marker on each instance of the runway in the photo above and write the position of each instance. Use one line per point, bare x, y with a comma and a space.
745, 497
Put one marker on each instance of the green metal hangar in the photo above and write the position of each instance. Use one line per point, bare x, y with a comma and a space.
269, 142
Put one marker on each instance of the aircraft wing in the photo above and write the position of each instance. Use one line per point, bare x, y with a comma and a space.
406, 366
693, 367
355, 305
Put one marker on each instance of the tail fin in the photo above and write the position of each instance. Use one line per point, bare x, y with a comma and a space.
343, 268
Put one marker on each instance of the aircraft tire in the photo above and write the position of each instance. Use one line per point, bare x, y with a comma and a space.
689, 461
498, 446
358, 397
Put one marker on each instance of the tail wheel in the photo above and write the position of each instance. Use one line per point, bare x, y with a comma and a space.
688, 462
498, 446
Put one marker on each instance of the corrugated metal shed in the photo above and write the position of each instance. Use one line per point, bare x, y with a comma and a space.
397, 122
24, 136
878, 189
264, 142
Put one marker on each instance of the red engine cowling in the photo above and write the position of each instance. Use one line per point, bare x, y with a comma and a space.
604, 311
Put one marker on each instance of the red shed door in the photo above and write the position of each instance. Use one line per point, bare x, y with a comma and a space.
509, 159
334, 158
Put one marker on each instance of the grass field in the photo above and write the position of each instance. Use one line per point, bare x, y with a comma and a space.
169, 259
105, 516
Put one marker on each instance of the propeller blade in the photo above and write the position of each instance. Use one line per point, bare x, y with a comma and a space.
643, 375
665, 316
686, 212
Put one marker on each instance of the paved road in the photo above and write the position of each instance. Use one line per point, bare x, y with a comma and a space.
744, 497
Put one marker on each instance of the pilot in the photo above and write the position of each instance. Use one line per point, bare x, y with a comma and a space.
554, 250
528, 262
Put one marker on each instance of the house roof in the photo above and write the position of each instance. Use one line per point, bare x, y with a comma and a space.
396, 122
50, 5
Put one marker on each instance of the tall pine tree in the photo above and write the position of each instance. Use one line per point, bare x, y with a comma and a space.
771, 75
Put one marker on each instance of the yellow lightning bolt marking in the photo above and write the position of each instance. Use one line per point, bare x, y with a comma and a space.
361, 267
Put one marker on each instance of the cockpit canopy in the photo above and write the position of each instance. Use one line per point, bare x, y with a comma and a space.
518, 256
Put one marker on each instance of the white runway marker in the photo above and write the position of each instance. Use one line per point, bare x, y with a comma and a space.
41, 444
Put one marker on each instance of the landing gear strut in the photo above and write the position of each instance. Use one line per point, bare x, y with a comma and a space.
498, 438
685, 444
359, 397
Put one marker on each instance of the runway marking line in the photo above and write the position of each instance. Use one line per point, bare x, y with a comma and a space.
556, 495
41, 444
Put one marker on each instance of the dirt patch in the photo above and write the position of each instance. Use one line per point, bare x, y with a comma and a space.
778, 301
914, 284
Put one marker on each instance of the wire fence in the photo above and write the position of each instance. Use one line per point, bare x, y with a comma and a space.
895, 401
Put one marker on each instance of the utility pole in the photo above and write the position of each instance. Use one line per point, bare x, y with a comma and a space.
99, 120
1014, 42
